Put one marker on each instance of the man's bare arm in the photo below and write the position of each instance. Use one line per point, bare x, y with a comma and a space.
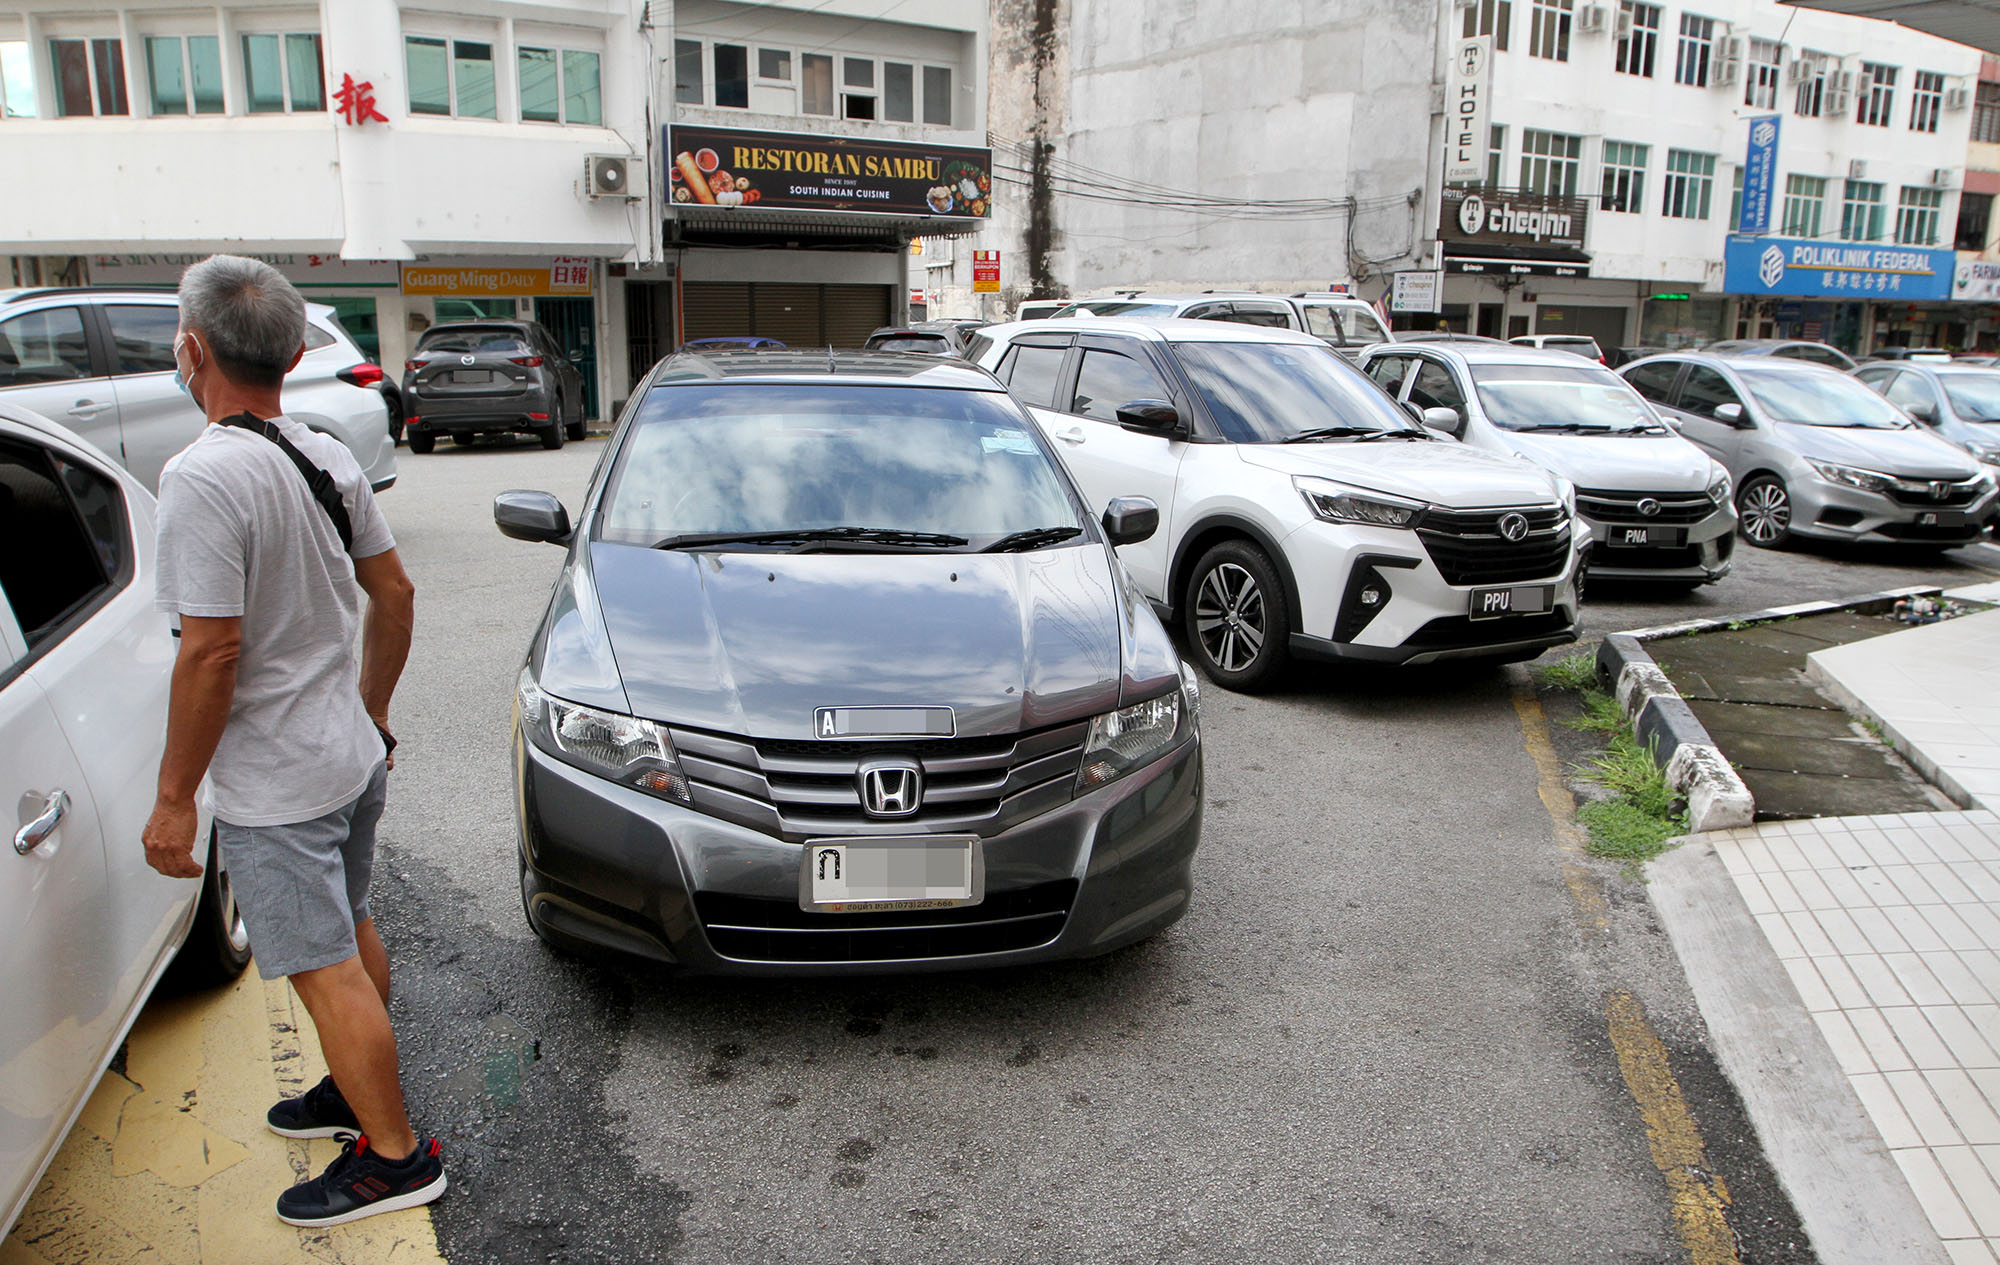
204, 684
385, 630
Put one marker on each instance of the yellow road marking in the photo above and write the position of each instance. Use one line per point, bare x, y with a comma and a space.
1699, 1198
171, 1164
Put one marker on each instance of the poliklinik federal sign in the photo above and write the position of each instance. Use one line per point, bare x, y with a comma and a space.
1811, 269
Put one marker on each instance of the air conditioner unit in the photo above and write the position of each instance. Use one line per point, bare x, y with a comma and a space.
1727, 73
1800, 71
1957, 98
1591, 19
607, 176
1624, 24
1857, 169
1944, 178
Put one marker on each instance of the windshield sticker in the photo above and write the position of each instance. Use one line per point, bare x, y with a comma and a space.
1009, 441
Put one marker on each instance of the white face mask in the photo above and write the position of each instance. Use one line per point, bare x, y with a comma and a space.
180, 381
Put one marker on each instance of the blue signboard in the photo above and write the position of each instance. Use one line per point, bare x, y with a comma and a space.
1836, 270
1760, 175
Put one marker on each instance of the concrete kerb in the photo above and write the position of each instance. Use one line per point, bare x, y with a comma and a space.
1695, 766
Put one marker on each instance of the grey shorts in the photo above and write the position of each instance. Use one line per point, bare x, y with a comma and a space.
303, 887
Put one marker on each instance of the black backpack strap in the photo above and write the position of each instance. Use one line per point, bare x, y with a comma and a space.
324, 489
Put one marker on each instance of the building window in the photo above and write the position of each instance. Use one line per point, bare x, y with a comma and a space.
1637, 46
1975, 221
1548, 29
1811, 99
1926, 100
89, 77
857, 82
1490, 17
1985, 110
283, 73
1877, 99
937, 95
1861, 211
1805, 205
732, 75
818, 69
560, 86
1496, 149
1624, 177
1760, 77
1550, 162
1689, 184
899, 92
1917, 216
687, 73
1697, 42
775, 64
450, 77
184, 75
17, 80
1736, 202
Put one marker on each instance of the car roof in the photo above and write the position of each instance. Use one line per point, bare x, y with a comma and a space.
823, 365
1497, 354
1932, 366
1163, 329
1166, 296
1757, 364
165, 295
502, 322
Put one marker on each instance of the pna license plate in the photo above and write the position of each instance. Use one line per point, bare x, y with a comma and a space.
874, 875
1643, 537
1521, 599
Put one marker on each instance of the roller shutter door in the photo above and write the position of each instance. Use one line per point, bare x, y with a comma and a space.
715, 309
855, 312
799, 315
788, 313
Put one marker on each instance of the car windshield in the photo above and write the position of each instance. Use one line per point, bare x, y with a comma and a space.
932, 343
1117, 307
1815, 398
1347, 324
1549, 397
461, 340
1974, 396
771, 457
1266, 393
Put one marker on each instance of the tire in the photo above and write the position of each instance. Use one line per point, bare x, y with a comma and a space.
1764, 512
552, 434
422, 442
218, 946
579, 429
1236, 616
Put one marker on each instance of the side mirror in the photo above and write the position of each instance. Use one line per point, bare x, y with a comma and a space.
531, 516
1731, 414
1445, 421
1150, 417
1925, 413
1130, 519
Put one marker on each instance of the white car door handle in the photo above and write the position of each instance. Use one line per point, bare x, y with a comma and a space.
32, 835
87, 409
1074, 435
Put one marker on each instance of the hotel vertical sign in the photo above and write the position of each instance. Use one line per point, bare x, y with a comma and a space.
1468, 108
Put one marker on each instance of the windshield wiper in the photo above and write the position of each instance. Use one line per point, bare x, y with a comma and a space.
1332, 432
812, 536
1567, 428
1032, 538
1392, 434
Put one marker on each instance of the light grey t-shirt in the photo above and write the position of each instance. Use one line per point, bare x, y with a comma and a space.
240, 535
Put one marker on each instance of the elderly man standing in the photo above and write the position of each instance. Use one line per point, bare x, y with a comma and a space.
268, 537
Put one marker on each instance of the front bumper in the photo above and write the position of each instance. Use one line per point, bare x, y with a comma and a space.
614, 867
1707, 552
1831, 511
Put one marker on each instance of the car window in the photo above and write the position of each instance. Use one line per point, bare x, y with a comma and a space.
1706, 391
1268, 392
1267, 315
1389, 371
1207, 312
976, 347
1656, 380
1121, 307
1434, 387
757, 457
75, 518
1815, 397
1109, 380
461, 340
1912, 392
1348, 325
46, 345
1556, 397
1032, 376
1974, 396
317, 338
143, 336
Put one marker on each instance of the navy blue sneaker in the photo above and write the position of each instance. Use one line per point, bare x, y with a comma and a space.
320, 1112
359, 1183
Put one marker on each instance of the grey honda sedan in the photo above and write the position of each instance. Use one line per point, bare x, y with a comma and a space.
842, 675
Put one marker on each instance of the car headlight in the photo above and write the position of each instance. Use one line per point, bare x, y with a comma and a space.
1338, 503
625, 749
1718, 485
1130, 738
1848, 476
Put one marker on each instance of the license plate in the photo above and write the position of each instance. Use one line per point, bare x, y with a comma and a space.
1523, 599
869, 875
471, 377
1941, 518
1618, 537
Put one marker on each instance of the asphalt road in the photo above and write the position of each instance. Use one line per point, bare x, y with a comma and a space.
1379, 1035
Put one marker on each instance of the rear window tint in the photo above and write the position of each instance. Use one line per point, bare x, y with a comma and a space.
472, 340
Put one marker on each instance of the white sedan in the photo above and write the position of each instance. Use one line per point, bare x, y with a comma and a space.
87, 928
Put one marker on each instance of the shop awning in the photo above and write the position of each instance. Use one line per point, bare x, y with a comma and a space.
739, 227
1974, 22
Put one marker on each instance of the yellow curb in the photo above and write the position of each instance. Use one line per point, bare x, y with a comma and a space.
170, 1164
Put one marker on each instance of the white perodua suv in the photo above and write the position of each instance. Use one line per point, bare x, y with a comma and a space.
1302, 513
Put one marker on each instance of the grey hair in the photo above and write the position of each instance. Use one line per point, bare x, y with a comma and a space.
246, 312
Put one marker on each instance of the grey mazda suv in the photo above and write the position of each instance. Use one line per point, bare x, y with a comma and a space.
490, 378
842, 675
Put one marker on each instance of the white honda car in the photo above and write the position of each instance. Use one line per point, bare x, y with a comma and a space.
1302, 512
86, 926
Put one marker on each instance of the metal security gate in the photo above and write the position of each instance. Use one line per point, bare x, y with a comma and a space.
574, 324
797, 315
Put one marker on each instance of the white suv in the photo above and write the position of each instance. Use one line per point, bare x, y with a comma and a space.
1302, 513
1341, 321
101, 362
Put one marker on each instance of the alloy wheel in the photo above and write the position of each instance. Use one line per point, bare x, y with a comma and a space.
1230, 617
233, 928
1766, 511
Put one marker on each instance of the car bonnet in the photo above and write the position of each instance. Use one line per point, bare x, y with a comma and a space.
1638, 463
1439, 472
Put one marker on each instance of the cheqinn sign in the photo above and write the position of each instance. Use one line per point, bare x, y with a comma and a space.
1492, 216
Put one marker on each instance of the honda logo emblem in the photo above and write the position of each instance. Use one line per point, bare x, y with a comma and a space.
1940, 491
891, 788
1649, 508
1514, 527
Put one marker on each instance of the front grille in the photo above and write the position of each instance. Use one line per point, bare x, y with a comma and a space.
753, 929
798, 790
1676, 509
1467, 547
1645, 559
1454, 631
1917, 493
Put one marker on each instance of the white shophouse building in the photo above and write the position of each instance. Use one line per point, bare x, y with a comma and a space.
1644, 112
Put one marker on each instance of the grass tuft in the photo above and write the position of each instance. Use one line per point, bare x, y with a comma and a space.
1601, 715
1640, 815
1624, 832
1571, 672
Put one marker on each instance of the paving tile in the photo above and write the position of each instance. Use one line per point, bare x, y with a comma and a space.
1985, 884
1911, 844
1876, 844
1785, 853
1847, 991
1944, 880
1847, 850
1968, 1252
1969, 1049
1783, 943
1958, 980
1985, 966
1887, 1113
1879, 1040
1878, 884
1853, 1055
1882, 934
1847, 890
1990, 1157
1915, 1034
1985, 1018
1915, 927
1755, 854
1815, 994
1974, 1186
1730, 851
1756, 897
1984, 922
1916, 978
1839, 926
1784, 896
1812, 889
1935, 1193
1884, 989
1949, 849
1967, 1104
1810, 935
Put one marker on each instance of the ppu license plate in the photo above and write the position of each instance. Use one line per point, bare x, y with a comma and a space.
870, 875
1941, 518
1521, 599
1622, 537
